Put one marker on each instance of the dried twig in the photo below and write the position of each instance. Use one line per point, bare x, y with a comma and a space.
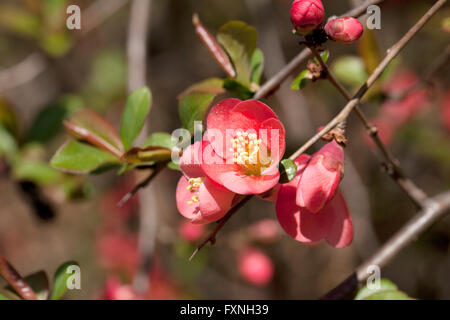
433, 210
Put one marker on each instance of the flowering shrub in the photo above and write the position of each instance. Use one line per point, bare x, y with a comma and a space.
231, 147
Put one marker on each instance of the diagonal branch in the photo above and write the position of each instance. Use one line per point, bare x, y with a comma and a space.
342, 116
272, 85
433, 210
394, 170
11, 275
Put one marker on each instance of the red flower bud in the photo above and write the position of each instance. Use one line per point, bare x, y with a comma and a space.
344, 30
307, 15
255, 267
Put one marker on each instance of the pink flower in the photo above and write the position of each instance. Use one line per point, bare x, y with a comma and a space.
191, 232
307, 15
198, 198
344, 30
332, 223
243, 145
115, 290
266, 230
320, 178
255, 267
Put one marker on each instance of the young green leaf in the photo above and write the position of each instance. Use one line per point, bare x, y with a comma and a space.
60, 280
49, 121
147, 155
38, 172
386, 291
238, 89
350, 70
160, 139
88, 125
193, 107
78, 157
239, 40
257, 66
8, 145
172, 165
133, 118
301, 80
324, 55
211, 85
288, 170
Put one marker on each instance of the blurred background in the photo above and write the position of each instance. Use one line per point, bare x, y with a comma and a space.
48, 217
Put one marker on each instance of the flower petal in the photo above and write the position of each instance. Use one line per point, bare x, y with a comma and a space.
183, 196
273, 135
215, 201
297, 222
190, 161
341, 232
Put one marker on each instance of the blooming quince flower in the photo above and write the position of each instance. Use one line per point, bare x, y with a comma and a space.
307, 15
198, 198
320, 178
332, 223
243, 145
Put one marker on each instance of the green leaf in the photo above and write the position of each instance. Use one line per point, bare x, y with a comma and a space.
148, 155
301, 80
78, 157
239, 41
389, 295
87, 125
160, 139
236, 88
324, 55
386, 291
288, 170
172, 165
38, 172
49, 120
211, 85
350, 70
257, 66
19, 21
134, 115
60, 280
193, 107
8, 118
8, 145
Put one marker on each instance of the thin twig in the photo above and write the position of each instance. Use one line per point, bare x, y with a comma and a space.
11, 275
433, 209
140, 186
394, 170
343, 115
392, 52
271, 85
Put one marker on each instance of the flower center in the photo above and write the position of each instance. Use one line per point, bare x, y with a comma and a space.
246, 149
193, 187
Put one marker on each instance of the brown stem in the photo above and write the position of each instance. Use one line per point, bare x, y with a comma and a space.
10, 274
214, 48
394, 170
433, 209
272, 85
